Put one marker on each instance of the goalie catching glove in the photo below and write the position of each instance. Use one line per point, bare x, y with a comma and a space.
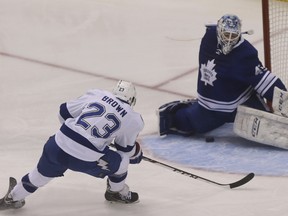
138, 155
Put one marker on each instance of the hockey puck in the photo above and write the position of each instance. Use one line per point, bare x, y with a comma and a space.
209, 139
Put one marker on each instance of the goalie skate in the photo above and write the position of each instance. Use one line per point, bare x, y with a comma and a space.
165, 113
124, 196
7, 202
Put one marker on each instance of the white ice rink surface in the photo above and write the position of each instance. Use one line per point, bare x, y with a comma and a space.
53, 51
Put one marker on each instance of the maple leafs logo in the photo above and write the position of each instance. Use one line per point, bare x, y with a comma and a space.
208, 74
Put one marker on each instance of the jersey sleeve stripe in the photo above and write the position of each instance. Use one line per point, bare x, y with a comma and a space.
224, 106
265, 83
124, 149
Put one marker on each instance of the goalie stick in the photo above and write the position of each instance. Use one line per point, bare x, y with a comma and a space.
232, 185
238, 183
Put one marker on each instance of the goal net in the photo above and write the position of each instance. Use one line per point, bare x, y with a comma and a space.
275, 31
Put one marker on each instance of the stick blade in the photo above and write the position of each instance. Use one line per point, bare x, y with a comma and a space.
242, 181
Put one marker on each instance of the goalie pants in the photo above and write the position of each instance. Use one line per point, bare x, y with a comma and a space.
196, 119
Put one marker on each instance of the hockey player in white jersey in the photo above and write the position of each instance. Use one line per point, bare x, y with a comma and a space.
90, 124
230, 74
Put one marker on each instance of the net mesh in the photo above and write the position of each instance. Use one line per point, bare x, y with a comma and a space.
278, 21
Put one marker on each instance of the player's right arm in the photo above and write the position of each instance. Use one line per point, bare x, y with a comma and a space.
73, 108
127, 142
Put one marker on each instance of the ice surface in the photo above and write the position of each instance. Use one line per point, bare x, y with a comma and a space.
53, 51
227, 153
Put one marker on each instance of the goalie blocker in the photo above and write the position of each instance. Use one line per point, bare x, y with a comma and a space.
264, 127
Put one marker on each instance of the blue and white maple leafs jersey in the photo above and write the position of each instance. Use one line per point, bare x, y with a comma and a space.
93, 121
225, 81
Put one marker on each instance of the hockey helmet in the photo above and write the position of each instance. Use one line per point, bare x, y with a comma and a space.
126, 92
228, 32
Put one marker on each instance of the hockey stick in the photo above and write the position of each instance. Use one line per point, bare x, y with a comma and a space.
238, 183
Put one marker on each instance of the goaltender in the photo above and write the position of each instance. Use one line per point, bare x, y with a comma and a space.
233, 86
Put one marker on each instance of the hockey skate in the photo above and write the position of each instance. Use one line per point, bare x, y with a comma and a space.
124, 196
165, 113
164, 119
7, 202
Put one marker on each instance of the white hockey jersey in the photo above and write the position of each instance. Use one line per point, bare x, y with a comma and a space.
93, 121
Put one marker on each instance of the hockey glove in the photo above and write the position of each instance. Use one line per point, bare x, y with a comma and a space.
138, 155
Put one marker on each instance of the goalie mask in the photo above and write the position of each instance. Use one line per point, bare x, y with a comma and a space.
228, 32
126, 92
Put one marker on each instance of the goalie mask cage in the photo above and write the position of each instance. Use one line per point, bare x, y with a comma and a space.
275, 32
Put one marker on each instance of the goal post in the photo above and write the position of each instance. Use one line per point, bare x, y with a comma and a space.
275, 34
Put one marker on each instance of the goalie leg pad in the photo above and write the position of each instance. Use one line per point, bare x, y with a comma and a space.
262, 127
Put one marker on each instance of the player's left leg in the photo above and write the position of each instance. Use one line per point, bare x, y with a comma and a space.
197, 119
117, 190
189, 117
113, 164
